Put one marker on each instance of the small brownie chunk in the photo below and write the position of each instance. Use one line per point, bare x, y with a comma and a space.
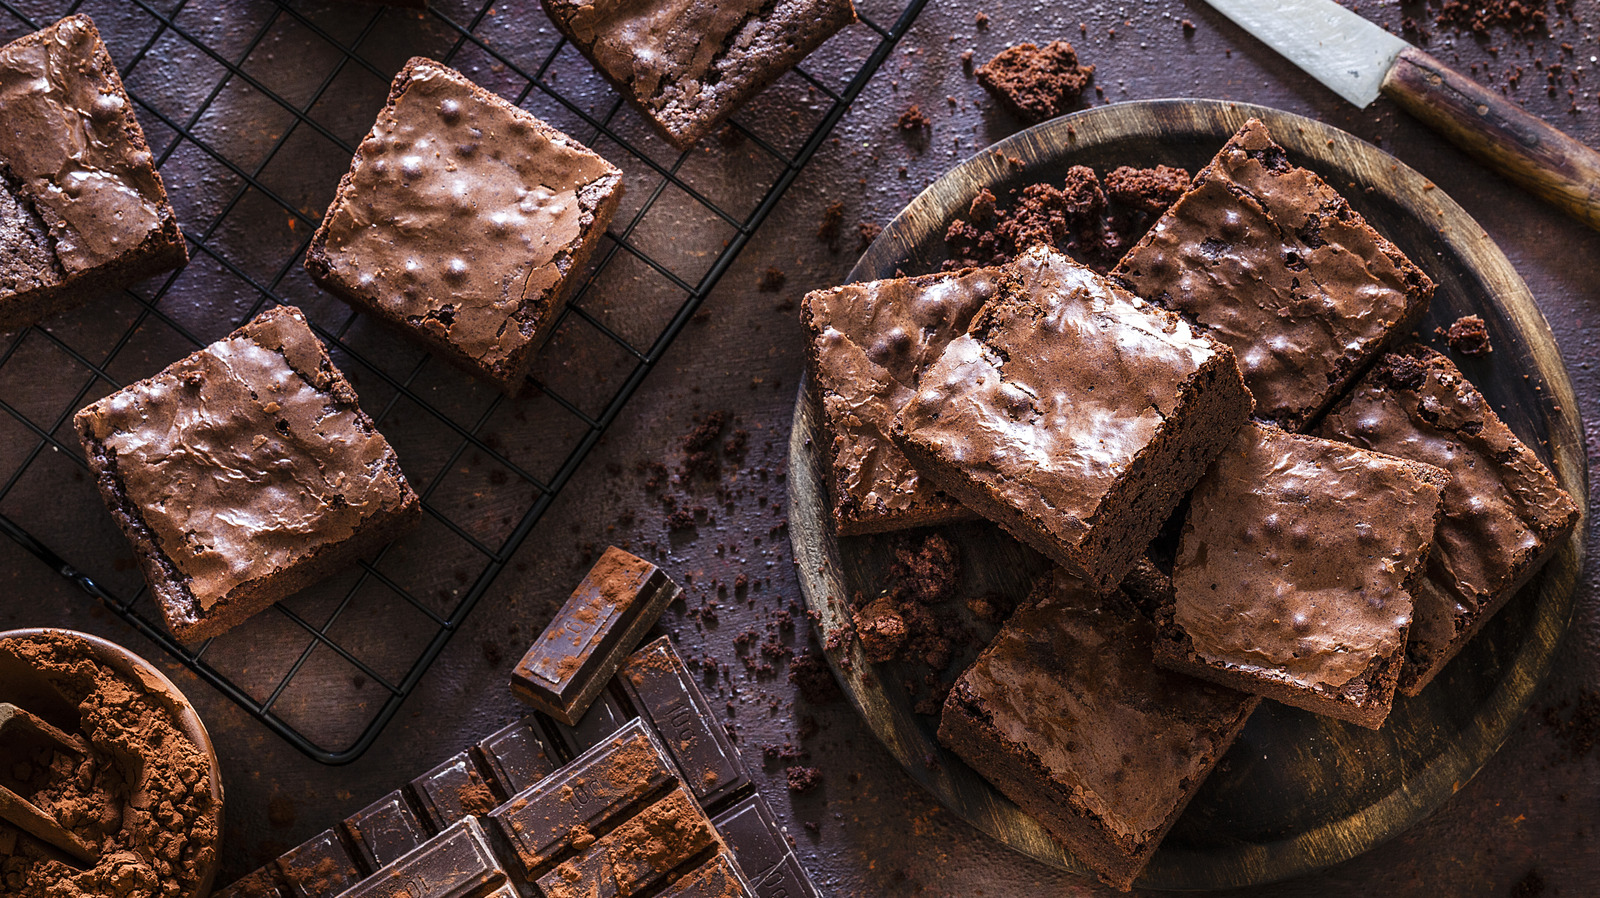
1273, 262
1073, 414
1469, 335
1067, 715
869, 344
1295, 569
688, 64
82, 208
1036, 83
1504, 515
244, 473
462, 222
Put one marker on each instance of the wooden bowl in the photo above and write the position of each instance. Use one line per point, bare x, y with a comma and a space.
166, 694
1297, 792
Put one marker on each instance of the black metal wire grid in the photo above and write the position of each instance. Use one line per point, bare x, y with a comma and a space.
253, 110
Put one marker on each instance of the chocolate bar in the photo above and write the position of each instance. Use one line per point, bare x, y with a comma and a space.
638, 854
716, 878
569, 664
319, 868
663, 690
599, 786
752, 833
454, 864
384, 831
516, 758
452, 791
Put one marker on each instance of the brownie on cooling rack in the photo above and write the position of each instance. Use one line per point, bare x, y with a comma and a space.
244, 473
688, 64
463, 221
1271, 260
82, 208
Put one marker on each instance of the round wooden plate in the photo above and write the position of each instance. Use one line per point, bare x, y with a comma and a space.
1297, 792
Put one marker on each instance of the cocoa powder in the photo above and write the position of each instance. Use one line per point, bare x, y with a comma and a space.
140, 797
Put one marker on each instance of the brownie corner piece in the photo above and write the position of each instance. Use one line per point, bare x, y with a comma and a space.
688, 65
243, 473
1271, 260
1504, 513
462, 222
1073, 414
82, 207
1295, 572
1066, 714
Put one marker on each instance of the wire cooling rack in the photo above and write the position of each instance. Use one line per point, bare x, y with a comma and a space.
253, 109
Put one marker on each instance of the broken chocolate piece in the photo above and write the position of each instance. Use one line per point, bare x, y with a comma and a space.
516, 758
451, 791
384, 831
752, 833
664, 691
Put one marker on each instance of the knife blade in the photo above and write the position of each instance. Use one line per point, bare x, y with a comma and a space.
1359, 61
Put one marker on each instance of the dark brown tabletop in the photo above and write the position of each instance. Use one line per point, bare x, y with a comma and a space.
1523, 826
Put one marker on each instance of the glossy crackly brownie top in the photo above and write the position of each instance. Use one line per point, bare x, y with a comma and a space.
247, 455
1296, 554
456, 211
71, 146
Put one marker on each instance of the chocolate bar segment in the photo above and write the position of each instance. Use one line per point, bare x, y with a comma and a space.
384, 831
516, 758
604, 717
662, 688
788, 880
636, 855
452, 791
600, 785
456, 863
320, 868
716, 878
620, 599
752, 833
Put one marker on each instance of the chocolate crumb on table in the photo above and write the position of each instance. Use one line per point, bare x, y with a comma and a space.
1504, 513
913, 120
689, 65
82, 207
832, 221
462, 223
772, 280
1036, 83
1468, 335
803, 779
1295, 572
284, 477
866, 232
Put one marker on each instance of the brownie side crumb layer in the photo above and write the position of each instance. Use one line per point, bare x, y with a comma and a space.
1073, 414
688, 64
244, 473
869, 345
1066, 714
462, 221
82, 208
1295, 569
1036, 83
1272, 261
1504, 514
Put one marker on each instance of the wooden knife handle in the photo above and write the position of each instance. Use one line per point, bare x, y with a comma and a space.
1499, 132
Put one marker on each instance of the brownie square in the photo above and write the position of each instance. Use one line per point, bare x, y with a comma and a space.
688, 64
244, 473
1295, 569
1066, 714
1504, 514
1273, 262
869, 345
463, 221
1073, 414
82, 208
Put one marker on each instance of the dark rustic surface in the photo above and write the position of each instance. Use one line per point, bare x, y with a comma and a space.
1524, 823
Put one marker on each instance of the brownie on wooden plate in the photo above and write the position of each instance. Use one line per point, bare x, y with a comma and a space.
244, 473
1294, 572
1073, 414
82, 208
1066, 713
688, 64
1504, 514
462, 221
1272, 261
870, 344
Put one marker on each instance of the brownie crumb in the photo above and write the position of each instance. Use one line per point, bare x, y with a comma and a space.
981, 20
803, 779
681, 519
1147, 190
1188, 28
1036, 83
866, 232
772, 280
1469, 335
1529, 886
913, 119
809, 673
966, 61
930, 572
881, 629
828, 228
699, 455
1521, 18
